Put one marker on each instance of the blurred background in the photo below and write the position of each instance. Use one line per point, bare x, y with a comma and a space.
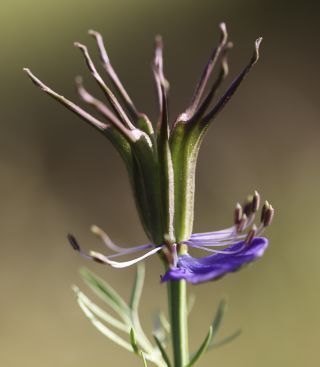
59, 176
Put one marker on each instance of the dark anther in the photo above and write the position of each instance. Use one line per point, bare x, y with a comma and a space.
237, 214
255, 202
265, 207
268, 216
73, 242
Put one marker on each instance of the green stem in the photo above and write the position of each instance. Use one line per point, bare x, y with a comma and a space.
177, 295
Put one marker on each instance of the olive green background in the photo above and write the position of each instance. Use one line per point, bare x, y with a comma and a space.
57, 175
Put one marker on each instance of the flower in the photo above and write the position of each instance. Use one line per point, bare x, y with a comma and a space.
161, 162
232, 247
198, 270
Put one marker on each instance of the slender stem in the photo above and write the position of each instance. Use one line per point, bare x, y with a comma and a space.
177, 295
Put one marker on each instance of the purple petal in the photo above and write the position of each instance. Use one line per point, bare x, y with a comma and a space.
198, 270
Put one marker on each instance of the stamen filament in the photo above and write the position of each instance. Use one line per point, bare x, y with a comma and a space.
225, 252
216, 237
106, 239
115, 264
131, 250
221, 243
222, 232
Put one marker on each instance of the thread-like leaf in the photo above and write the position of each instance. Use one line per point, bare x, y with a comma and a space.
216, 323
97, 311
137, 287
202, 349
162, 350
134, 343
134, 304
116, 338
144, 360
139, 352
225, 340
103, 328
105, 292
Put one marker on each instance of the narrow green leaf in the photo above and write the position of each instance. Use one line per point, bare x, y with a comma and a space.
97, 311
134, 304
137, 287
162, 350
138, 351
202, 349
105, 292
103, 328
216, 323
116, 338
134, 343
144, 360
226, 340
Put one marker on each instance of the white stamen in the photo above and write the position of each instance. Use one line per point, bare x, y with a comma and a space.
260, 229
221, 243
250, 221
115, 264
222, 232
226, 252
106, 239
132, 250
216, 238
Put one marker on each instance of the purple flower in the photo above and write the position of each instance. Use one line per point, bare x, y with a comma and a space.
230, 248
198, 270
161, 162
